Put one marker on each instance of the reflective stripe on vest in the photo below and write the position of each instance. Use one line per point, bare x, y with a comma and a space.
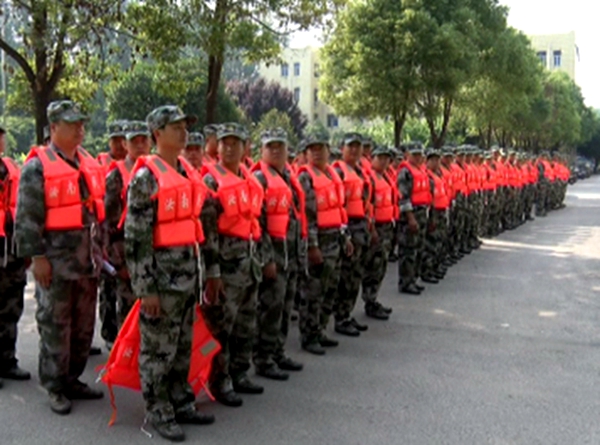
353, 191
241, 199
421, 190
64, 204
8, 194
386, 199
279, 200
329, 192
441, 200
179, 202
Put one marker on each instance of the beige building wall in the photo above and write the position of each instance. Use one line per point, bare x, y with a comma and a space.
556, 51
299, 72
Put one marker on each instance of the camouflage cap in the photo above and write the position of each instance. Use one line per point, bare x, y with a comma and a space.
349, 138
195, 138
135, 128
313, 138
382, 150
432, 153
415, 148
274, 135
116, 129
168, 114
231, 129
66, 111
447, 151
367, 141
210, 129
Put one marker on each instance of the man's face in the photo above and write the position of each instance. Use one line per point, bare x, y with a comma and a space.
67, 134
433, 163
231, 150
173, 136
248, 148
275, 153
317, 154
381, 163
2, 143
367, 149
117, 147
138, 146
352, 152
415, 158
193, 154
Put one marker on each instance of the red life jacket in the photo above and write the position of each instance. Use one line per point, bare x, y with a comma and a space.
122, 367
330, 197
9, 189
210, 160
125, 176
104, 159
279, 198
490, 179
386, 208
441, 200
64, 206
421, 190
448, 178
241, 199
248, 162
459, 179
471, 173
549, 171
353, 188
179, 202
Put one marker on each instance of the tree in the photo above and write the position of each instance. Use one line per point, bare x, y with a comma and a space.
149, 85
257, 98
253, 28
51, 38
275, 119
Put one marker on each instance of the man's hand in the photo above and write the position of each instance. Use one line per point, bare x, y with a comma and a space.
214, 289
151, 306
270, 271
314, 256
42, 271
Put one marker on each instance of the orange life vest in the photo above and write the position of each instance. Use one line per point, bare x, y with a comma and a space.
421, 190
459, 179
330, 197
353, 189
549, 171
471, 174
441, 200
179, 202
64, 206
386, 208
489, 178
125, 176
241, 199
122, 367
279, 198
8, 194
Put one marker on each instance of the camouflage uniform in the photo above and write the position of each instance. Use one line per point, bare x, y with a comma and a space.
276, 297
172, 274
12, 286
231, 320
435, 239
320, 285
66, 311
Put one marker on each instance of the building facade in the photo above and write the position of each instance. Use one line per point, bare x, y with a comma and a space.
299, 72
557, 52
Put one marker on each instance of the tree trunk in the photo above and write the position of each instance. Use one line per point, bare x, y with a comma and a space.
399, 120
215, 67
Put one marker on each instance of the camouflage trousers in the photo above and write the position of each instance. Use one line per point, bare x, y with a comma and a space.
275, 301
456, 229
164, 360
65, 315
529, 199
351, 275
542, 192
435, 241
125, 300
411, 247
319, 288
232, 322
12, 288
109, 326
376, 262
473, 218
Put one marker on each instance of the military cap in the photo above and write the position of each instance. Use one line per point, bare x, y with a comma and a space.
415, 148
432, 152
291, 153
381, 150
273, 135
195, 138
168, 114
132, 129
447, 150
116, 129
231, 129
367, 140
210, 129
352, 137
313, 138
65, 110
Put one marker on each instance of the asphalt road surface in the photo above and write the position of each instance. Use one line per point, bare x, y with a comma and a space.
506, 350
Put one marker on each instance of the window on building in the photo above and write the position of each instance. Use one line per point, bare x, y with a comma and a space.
317, 73
332, 121
297, 94
297, 69
557, 58
284, 70
316, 98
543, 56
316, 117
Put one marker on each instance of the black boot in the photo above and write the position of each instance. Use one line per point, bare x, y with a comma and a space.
357, 325
170, 430
346, 328
375, 310
15, 373
243, 385
273, 373
410, 289
287, 364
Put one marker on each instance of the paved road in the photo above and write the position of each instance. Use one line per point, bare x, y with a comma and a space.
505, 351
